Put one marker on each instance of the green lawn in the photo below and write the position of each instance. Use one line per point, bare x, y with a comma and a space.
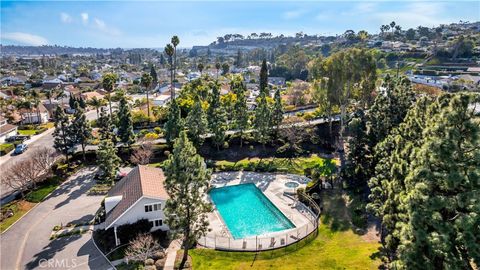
19, 209
329, 250
29, 132
294, 165
42, 191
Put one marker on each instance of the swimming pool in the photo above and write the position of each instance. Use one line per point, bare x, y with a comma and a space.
247, 212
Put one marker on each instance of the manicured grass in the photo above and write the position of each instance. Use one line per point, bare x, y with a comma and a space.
5, 148
29, 132
329, 250
19, 209
294, 165
42, 191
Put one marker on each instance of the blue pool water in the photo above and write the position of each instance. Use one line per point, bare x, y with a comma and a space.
247, 212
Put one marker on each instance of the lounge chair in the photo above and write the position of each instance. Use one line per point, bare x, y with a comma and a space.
282, 241
272, 242
244, 245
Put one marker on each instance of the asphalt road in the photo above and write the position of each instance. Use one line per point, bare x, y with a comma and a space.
44, 140
27, 244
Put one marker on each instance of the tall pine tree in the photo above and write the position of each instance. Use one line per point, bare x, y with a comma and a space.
125, 123
187, 181
64, 140
81, 129
174, 122
197, 123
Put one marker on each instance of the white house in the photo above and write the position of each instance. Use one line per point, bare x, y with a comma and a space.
34, 116
139, 195
161, 100
6, 129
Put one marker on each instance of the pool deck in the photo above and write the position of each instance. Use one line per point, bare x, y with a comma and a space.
273, 187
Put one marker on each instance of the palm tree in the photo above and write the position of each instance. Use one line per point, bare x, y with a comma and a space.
146, 81
97, 103
108, 83
218, 66
169, 51
175, 41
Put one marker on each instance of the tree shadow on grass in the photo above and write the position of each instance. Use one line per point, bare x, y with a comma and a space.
335, 211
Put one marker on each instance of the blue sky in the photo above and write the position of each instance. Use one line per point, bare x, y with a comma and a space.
129, 24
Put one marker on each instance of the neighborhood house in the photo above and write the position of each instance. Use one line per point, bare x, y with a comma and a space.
139, 195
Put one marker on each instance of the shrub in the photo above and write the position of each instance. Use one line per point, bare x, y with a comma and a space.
158, 130
127, 232
158, 255
143, 132
159, 264
40, 130
5, 148
150, 267
149, 262
151, 136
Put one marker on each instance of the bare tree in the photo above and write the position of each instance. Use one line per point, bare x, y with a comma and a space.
142, 155
21, 176
142, 247
43, 159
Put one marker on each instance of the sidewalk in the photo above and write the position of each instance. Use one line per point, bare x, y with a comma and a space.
171, 255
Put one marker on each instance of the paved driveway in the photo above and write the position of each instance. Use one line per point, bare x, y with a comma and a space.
26, 245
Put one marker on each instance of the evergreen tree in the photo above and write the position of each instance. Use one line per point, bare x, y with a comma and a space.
81, 129
264, 79
358, 169
217, 117
107, 160
174, 122
277, 110
262, 121
106, 127
153, 74
82, 103
71, 101
443, 192
63, 139
422, 186
187, 181
197, 123
240, 108
125, 123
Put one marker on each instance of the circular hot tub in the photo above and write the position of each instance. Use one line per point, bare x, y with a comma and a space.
292, 184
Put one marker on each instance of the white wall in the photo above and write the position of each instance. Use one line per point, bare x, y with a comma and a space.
6, 135
138, 212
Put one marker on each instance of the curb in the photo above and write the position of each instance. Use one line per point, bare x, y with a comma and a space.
95, 244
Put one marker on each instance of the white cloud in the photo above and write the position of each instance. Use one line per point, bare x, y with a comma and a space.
102, 26
422, 13
292, 14
65, 17
366, 7
84, 18
25, 38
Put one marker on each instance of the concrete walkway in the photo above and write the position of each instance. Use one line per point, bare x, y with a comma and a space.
171, 255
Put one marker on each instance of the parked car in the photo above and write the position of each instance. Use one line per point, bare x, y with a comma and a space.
18, 138
20, 149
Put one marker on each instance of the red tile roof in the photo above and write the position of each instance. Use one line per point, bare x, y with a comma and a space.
141, 181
